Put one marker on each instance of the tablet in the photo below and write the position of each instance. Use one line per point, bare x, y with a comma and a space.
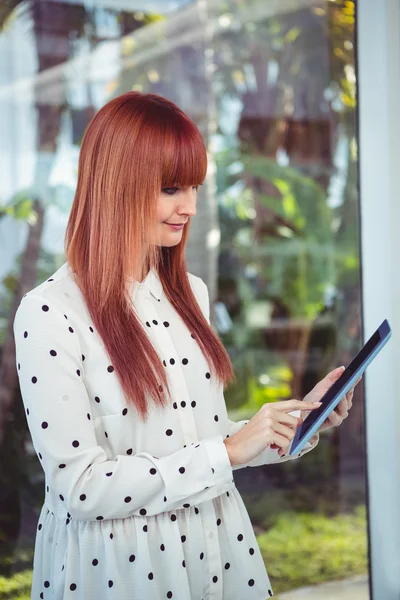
338, 390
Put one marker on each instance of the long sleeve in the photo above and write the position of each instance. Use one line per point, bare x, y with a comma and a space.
58, 407
269, 455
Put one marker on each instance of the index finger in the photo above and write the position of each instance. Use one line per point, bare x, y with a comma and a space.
289, 405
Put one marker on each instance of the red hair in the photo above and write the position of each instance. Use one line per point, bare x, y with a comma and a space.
135, 145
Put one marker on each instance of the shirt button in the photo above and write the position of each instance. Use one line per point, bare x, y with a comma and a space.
210, 535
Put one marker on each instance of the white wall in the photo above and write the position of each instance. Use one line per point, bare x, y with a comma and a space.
379, 136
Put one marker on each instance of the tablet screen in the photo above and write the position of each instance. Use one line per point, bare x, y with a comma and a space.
357, 362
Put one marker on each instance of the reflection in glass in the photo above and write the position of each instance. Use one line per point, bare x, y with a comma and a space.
271, 85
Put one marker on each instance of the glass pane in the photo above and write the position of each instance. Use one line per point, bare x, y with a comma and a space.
271, 86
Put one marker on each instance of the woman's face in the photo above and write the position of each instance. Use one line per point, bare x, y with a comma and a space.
174, 206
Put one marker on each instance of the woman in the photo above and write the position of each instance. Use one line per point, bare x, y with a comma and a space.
122, 379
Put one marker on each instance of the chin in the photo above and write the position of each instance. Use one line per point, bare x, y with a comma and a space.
170, 243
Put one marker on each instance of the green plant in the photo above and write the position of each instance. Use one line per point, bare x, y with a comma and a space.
305, 549
17, 587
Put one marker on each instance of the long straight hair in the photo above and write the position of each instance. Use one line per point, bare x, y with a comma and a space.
135, 145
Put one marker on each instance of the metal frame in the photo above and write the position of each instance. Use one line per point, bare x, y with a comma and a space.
378, 54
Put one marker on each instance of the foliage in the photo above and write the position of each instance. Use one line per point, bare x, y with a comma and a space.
305, 549
301, 199
17, 587
19, 209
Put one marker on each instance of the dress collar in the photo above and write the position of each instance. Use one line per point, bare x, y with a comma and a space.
150, 283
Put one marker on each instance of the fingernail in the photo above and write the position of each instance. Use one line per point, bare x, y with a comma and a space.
317, 402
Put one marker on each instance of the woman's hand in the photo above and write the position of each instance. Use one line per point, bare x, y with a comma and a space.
341, 411
270, 426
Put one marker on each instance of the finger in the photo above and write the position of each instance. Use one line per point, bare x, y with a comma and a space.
333, 375
323, 386
341, 408
289, 420
289, 405
280, 441
284, 431
335, 419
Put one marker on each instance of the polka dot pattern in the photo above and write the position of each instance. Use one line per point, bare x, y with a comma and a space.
127, 490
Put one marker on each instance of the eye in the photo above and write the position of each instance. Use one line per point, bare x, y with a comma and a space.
170, 191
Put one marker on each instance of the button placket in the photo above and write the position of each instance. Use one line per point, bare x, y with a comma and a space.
214, 589
176, 376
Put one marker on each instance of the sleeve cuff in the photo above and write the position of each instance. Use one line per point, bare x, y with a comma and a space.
218, 458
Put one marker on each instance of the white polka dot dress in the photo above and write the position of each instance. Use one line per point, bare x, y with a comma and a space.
132, 510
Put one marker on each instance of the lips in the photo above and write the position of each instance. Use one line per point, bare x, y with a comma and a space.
175, 227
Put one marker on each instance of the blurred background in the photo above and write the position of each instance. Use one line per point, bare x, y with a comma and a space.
272, 87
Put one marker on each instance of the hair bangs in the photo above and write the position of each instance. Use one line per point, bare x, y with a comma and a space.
184, 162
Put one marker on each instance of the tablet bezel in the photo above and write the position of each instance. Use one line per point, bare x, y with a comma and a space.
348, 378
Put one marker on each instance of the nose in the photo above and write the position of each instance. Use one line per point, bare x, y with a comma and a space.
187, 202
